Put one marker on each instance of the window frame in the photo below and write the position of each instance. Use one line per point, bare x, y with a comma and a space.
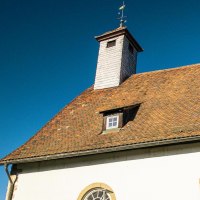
112, 117
98, 185
99, 191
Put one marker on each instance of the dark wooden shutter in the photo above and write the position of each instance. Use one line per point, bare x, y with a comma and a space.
129, 114
104, 123
120, 124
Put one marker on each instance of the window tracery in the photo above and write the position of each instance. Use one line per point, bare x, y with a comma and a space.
97, 194
97, 191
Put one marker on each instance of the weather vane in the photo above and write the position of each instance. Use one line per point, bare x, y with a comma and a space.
121, 13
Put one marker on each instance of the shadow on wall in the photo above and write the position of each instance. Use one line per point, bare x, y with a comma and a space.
103, 158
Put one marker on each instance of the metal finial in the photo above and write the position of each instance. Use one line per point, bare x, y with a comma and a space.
122, 17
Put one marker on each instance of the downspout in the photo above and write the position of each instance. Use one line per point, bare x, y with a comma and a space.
11, 185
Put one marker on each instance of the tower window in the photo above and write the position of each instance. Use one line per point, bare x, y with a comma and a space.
130, 48
111, 43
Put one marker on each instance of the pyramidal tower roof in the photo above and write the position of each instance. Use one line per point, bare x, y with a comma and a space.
117, 32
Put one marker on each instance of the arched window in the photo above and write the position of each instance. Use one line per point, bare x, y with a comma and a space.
97, 191
97, 194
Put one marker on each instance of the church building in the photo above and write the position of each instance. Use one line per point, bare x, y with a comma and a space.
127, 137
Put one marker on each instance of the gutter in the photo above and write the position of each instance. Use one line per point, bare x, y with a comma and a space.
105, 150
11, 185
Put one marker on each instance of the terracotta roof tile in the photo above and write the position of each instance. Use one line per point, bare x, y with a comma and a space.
169, 109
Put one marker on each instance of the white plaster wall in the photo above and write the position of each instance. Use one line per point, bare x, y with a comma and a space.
153, 174
109, 64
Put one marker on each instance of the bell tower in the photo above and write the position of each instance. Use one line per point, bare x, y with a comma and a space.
117, 57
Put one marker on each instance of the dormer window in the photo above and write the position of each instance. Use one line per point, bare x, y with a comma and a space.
119, 117
111, 43
112, 121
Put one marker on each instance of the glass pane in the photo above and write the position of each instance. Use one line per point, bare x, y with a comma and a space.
89, 198
114, 123
100, 194
107, 196
95, 194
110, 119
110, 124
115, 119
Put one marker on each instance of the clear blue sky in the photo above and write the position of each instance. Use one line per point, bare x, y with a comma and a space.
48, 53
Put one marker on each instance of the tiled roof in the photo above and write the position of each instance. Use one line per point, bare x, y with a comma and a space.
169, 110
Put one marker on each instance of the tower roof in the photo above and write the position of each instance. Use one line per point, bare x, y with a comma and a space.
117, 32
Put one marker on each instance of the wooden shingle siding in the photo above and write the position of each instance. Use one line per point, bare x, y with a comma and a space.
109, 64
115, 62
128, 64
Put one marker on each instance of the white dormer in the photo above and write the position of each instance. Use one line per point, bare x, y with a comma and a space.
117, 58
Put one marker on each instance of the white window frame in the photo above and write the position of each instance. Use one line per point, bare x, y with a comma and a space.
111, 117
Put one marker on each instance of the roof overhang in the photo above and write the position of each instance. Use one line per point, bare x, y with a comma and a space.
118, 108
118, 32
104, 150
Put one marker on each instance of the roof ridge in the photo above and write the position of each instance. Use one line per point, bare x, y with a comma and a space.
168, 69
